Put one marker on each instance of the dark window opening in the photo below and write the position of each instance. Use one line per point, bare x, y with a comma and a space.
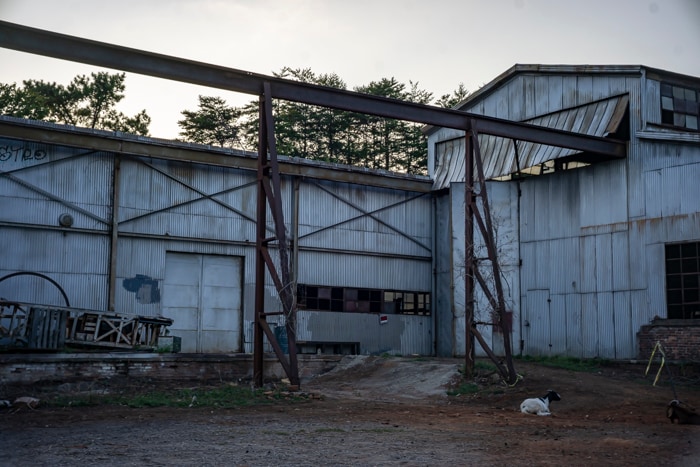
680, 107
683, 280
353, 300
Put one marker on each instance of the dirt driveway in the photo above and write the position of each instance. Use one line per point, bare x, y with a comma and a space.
381, 411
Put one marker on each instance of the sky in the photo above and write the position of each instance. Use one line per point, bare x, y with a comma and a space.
438, 43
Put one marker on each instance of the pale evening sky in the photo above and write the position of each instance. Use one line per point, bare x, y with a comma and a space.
437, 43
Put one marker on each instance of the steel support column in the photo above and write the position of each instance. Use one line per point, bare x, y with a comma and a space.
114, 233
269, 194
469, 255
481, 218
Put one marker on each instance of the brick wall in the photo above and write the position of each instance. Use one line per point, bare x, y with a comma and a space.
680, 339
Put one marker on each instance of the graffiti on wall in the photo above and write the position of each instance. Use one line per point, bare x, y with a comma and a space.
21, 153
145, 288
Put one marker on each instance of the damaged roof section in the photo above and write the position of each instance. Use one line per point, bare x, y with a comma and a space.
501, 161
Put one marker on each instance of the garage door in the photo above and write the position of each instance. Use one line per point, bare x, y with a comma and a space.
202, 295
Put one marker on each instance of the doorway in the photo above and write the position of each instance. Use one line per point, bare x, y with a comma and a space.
202, 294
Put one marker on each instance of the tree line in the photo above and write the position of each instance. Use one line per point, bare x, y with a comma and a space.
301, 130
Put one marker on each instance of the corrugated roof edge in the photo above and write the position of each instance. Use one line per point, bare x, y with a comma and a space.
519, 68
175, 144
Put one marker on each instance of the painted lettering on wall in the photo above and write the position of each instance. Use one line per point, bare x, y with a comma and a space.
145, 288
21, 153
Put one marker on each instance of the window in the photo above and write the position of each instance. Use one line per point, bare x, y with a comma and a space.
683, 280
680, 106
352, 300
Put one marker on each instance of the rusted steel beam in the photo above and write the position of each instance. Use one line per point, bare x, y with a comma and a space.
488, 232
260, 250
269, 194
51, 44
287, 289
490, 240
469, 205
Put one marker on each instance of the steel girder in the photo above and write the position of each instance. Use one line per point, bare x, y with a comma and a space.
76, 49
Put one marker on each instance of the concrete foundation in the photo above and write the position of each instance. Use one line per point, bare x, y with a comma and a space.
36, 368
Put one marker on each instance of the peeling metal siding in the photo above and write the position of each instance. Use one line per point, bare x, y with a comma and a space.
449, 163
597, 118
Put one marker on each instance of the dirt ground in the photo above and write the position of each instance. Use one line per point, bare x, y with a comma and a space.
382, 411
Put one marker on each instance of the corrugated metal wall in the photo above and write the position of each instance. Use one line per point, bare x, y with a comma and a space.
443, 295
38, 184
400, 335
350, 235
366, 237
505, 219
592, 240
575, 242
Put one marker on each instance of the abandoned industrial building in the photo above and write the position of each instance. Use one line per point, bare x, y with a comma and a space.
599, 253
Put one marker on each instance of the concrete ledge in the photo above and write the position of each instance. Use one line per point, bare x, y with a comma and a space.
36, 368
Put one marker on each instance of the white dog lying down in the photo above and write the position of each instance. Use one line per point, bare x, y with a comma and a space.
539, 405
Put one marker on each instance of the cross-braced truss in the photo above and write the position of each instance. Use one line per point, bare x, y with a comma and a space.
62, 46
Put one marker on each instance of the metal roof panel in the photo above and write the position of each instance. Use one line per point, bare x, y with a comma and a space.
600, 118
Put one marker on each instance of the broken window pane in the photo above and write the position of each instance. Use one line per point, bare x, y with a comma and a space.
680, 106
349, 299
679, 119
683, 280
666, 103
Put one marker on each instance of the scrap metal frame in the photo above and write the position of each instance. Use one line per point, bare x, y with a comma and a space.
51, 44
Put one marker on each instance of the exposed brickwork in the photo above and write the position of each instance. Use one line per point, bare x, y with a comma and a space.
29, 369
680, 339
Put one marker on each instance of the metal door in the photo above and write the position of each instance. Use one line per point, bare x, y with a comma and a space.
536, 325
203, 296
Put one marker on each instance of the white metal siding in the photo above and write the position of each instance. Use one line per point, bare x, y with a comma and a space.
592, 240
401, 335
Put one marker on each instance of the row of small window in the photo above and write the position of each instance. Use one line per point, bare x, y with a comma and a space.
683, 280
680, 106
352, 300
